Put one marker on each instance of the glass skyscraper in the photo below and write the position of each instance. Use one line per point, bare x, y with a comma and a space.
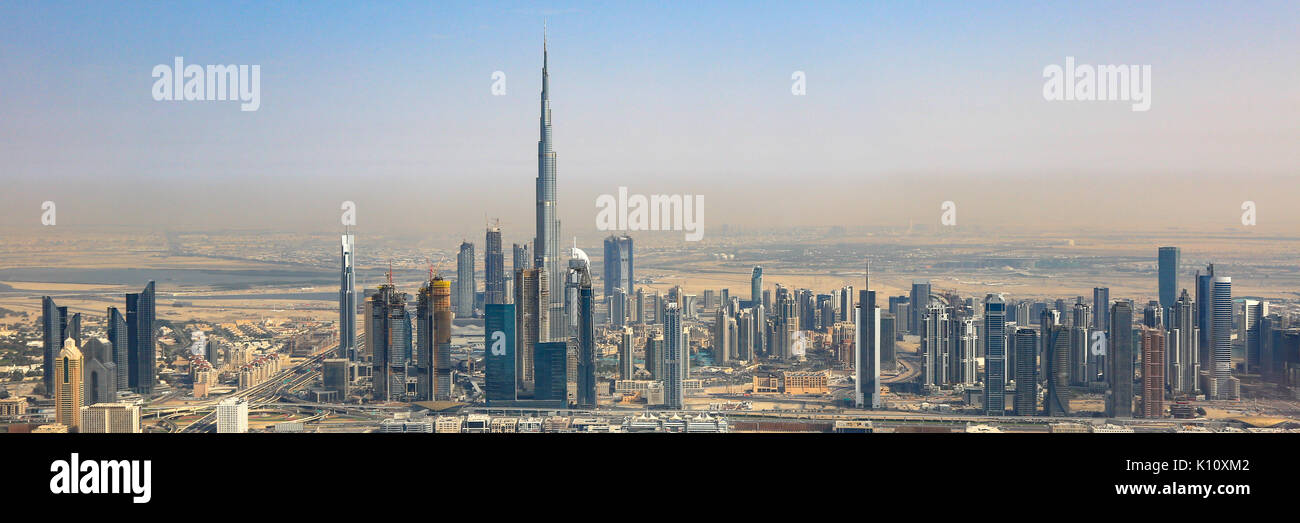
1168, 260
995, 350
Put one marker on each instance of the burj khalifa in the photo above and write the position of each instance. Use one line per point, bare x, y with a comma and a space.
547, 244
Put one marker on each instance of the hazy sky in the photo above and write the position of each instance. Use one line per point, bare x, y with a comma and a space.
908, 104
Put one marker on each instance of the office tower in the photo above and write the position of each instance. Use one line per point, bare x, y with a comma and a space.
721, 337
657, 306
232, 416
1271, 358
867, 344
756, 286
99, 371
888, 331
675, 356
1057, 367
426, 340
1080, 356
1168, 260
745, 335
1184, 363
54, 321
386, 330
494, 267
964, 346
1026, 372
442, 317
336, 376
520, 258
1119, 400
1252, 312
1047, 318
117, 336
1221, 337
142, 340
546, 254
995, 346
640, 305
919, 301
1153, 315
785, 323
1204, 307
1101, 308
618, 265
552, 365
654, 356
110, 418
531, 322
626, 360
618, 308
347, 299
586, 340
499, 381
465, 281
936, 343
68, 389
1153, 373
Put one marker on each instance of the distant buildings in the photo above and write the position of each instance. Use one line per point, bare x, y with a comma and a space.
494, 269
465, 281
1221, 338
619, 265
347, 299
57, 326
499, 347
142, 340
675, 358
1119, 401
1057, 367
1026, 372
995, 346
1153, 373
1168, 259
68, 388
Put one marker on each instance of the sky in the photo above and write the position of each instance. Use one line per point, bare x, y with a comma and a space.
906, 105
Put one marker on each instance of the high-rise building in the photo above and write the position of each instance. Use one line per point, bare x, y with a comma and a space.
721, 337
1026, 372
499, 381
867, 345
675, 356
99, 371
110, 418
546, 246
626, 360
347, 299
1252, 312
1204, 323
57, 326
618, 265
336, 376
465, 287
888, 332
1057, 367
532, 324
1119, 400
756, 286
232, 416
494, 267
387, 327
1101, 308
919, 301
995, 347
936, 343
1183, 355
141, 337
1168, 259
1221, 337
68, 389
1153, 373
117, 336
552, 366
586, 340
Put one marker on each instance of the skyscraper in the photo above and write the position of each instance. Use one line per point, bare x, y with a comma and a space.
347, 299
919, 300
586, 340
499, 380
867, 344
674, 355
54, 321
756, 287
1252, 312
1204, 324
386, 330
546, 246
618, 265
626, 361
117, 335
721, 337
1168, 259
140, 318
1026, 372
1221, 336
532, 326
465, 281
1057, 367
1119, 401
1153, 373
995, 347
995, 355
68, 389
494, 267
1101, 308
1185, 365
